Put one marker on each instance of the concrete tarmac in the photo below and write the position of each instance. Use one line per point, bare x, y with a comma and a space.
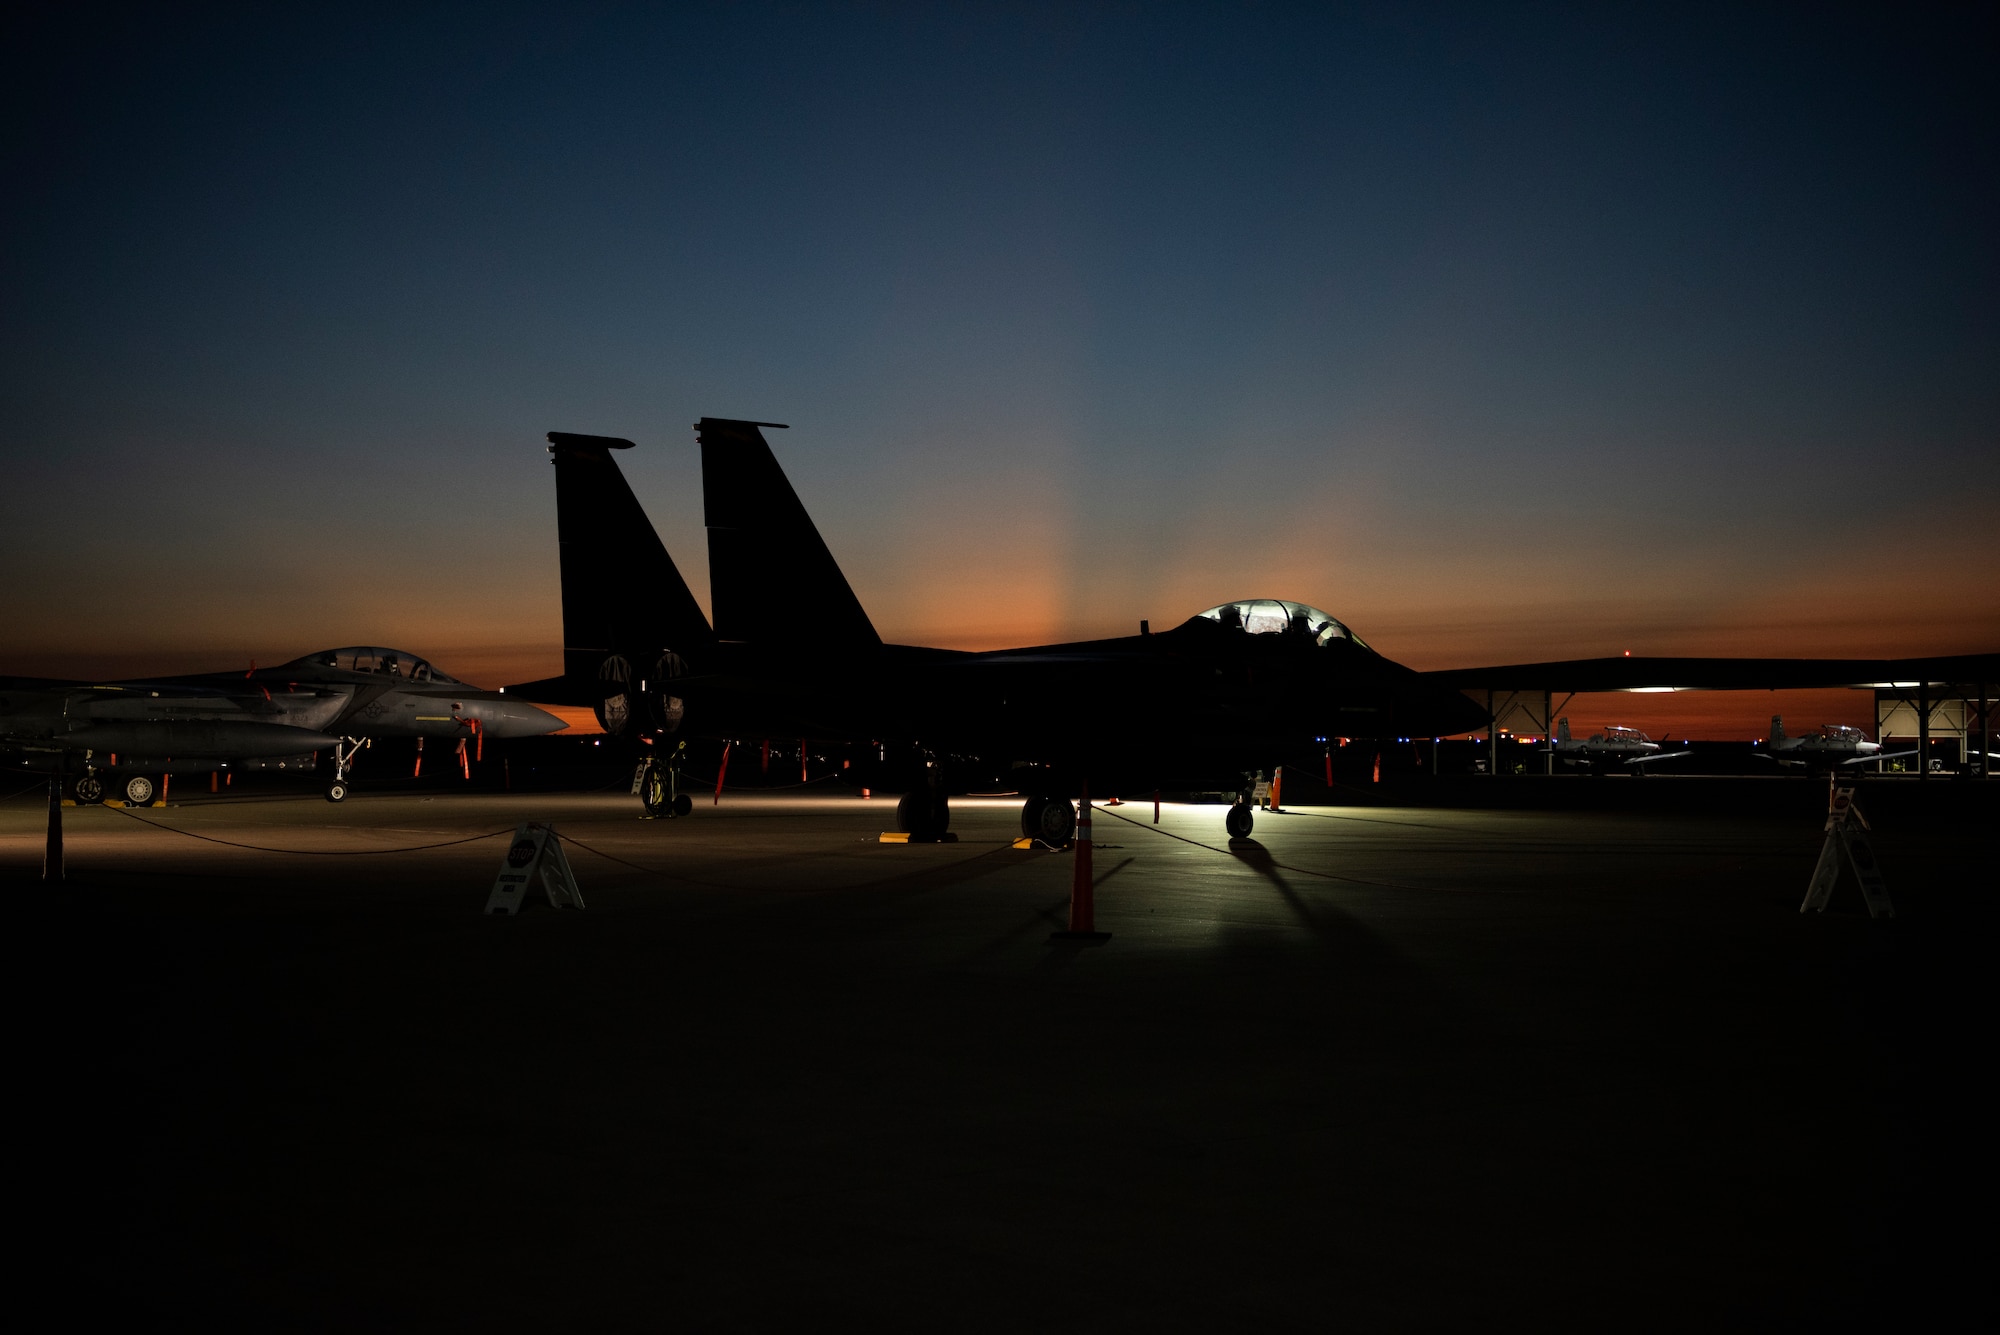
1387, 1066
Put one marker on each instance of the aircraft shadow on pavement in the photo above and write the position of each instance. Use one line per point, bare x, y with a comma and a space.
1335, 928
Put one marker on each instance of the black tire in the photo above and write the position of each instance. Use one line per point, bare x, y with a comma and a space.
1239, 821
917, 815
1031, 817
1057, 824
88, 790
140, 790
683, 804
337, 791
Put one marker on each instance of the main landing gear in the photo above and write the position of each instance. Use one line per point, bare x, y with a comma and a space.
1049, 819
88, 790
925, 813
140, 790
1239, 820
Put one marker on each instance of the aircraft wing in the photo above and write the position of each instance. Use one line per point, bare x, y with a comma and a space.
39, 684
557, 691
1658, 755
1880, 755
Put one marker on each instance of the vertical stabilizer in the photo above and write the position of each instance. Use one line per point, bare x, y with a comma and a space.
1562, 729
621, 592
1777, 727
770, 576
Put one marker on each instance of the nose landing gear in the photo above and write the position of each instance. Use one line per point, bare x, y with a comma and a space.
343, 760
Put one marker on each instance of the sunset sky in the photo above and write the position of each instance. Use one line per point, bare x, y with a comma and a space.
1501, 332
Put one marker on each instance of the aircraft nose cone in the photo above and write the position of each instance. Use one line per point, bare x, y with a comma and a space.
518, 718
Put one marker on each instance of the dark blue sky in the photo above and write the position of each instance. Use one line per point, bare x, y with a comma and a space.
1499, 332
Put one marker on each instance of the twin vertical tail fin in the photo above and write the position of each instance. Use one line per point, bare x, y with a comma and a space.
629, 619
1562, 730
1777, 727
771, 578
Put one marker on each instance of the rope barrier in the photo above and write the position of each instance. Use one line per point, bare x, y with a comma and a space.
41, 787
708, 781
312, 852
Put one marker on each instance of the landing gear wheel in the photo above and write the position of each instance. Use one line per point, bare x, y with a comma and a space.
1239, 821
139, 790
1056, 823
1031, 817
922, 816
89, 790
337, 791
683, 804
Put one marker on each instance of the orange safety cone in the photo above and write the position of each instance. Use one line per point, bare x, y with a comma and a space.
1329, 767
214, 782
166, 781
1377, 776
1277, 782
721, 770
1082, 886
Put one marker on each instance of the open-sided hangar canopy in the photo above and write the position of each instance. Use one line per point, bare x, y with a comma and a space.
1720, 674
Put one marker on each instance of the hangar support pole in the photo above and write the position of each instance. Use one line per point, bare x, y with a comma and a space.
1987, 742
1923, 731
1548, 733
1492, 737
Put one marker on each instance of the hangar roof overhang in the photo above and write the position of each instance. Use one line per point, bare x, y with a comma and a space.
1723, 674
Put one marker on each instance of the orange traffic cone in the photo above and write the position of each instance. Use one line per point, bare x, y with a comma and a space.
1082, 889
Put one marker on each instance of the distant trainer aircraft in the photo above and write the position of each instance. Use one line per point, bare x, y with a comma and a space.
1625, 746
1833, 745
118, 738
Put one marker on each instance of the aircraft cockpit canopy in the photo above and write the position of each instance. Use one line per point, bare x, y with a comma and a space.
1841, 732
387, 662
1275, 616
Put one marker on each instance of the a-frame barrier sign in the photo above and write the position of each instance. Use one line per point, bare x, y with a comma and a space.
1846, 841
534, 854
